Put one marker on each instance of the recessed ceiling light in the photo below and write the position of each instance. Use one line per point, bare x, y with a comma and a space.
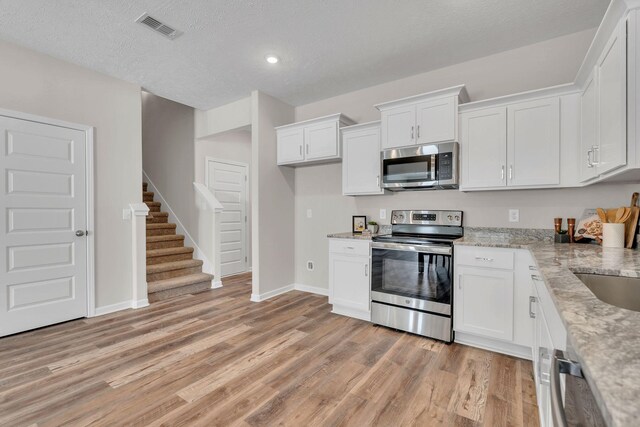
272, 59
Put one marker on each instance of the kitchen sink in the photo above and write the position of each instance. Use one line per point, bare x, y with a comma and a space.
620, 291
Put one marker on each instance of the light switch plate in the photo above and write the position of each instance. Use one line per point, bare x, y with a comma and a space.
309, 213
514, 215
126, 214
383, 214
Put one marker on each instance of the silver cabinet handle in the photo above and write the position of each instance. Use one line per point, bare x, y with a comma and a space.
589, 162
479, 258
460, 281
561, 365
418, 131
307, 148
531, 313
366, 270
502, 173
80, 233
543, 354
511, 173
378, 181
412, 132
349, 247
301, 150
533, 268
536, 278
596, 159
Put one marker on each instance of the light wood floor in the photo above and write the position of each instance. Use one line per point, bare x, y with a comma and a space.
217, 359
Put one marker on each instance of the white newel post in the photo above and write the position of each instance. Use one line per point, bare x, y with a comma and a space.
139, 212
209, 210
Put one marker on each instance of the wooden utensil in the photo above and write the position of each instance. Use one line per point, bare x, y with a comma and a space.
619, 215
602, 215
631, 223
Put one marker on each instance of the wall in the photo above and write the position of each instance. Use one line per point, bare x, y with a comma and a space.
234, 146
318, 188
272, 200
38, 84
168, 155
225, 118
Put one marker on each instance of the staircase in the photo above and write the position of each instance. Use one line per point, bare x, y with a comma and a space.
171, 269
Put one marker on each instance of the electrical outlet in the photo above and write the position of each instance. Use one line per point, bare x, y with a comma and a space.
383, 214
126, 214
309, 213
514, 215
310, 265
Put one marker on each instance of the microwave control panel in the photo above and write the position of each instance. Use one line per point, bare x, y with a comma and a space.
445, 166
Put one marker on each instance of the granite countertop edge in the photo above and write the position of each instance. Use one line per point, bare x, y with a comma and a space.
605, 338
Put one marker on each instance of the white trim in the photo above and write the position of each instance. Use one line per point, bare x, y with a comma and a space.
215, 284
311, 289
247, 169
144, 302
207, 265
547, 92
349, 312
90, 189
498, 346
344, 120
271, 294
460, 91
112, 308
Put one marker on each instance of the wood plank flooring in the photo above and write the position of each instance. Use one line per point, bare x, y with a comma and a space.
217, 359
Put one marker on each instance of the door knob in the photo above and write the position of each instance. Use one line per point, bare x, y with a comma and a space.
80, 233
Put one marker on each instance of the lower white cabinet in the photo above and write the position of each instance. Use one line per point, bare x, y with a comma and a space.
484, 302
349, 278
491, 299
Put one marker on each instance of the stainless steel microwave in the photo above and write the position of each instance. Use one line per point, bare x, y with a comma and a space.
422, 167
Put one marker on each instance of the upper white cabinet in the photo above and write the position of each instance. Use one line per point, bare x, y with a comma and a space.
311, 141
422, 119
512, 145
361, 167
604, 110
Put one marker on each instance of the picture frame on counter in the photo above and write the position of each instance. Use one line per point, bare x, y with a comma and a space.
358, 224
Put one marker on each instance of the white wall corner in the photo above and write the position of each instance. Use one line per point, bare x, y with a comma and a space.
271, 294
311, 289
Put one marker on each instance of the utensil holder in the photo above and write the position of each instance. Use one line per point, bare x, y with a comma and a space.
613, 235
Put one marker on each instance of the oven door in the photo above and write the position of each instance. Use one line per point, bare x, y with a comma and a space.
417, 277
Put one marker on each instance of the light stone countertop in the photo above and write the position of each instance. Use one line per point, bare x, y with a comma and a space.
605, 338
349, 235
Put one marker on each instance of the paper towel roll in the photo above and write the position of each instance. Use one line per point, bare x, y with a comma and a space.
613, 235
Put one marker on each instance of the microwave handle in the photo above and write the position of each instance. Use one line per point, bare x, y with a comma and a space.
561, 365
433, 167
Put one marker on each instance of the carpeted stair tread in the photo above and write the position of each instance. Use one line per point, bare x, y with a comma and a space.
160, 226
150, 204
174, 265
164, 238
177, 282
152, 253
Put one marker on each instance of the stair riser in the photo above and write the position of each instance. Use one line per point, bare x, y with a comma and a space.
170, 293
161, 232
158, 220
152, 277
146, 198
144, 186
169, 258
166, 244
154, 208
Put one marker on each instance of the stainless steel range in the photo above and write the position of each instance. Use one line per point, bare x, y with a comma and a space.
412, 273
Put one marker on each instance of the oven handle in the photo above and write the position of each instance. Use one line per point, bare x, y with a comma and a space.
561, 365
435, 250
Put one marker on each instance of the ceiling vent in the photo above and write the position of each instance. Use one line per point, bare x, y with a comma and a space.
158, 27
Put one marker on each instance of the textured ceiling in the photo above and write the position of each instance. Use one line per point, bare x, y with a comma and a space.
327, 47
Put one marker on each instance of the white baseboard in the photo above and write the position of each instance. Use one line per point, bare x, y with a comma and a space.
215, 284
490, 344
311, 289
271, 294
106, 309
144, 302
207, 266
349, 312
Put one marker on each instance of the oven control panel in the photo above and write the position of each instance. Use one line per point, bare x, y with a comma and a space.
453, 218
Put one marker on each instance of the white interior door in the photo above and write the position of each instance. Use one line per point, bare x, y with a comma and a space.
43, 273
228, 182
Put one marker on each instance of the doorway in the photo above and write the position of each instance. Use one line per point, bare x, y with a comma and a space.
229, 182
46, 276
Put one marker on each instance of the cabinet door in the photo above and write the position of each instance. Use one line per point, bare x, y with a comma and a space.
483, 141
533, 143
436, 121
349, 277
588, 128
290, 146
612, 103
483, 302
398, 127
321, 141
361, 162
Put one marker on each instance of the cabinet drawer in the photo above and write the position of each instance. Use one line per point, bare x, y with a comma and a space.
485, 257
349, 246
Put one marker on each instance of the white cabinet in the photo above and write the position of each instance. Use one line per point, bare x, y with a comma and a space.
361, 166
349, 278
484, 302
491, 299
422, 119
311, 141
604, 110
516, 145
